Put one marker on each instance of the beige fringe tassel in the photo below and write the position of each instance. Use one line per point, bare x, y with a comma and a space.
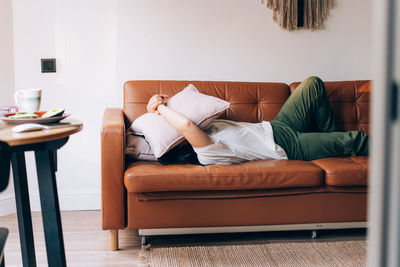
286, 13
143, 257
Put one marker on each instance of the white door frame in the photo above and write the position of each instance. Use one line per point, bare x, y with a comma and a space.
383, 231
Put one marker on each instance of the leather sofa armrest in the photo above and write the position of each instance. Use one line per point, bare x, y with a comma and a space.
112, 169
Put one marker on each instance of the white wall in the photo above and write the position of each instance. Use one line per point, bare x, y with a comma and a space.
238, 40
99, 44
7, 202
6, 54
81, 36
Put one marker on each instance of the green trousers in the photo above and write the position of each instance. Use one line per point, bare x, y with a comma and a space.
305, 126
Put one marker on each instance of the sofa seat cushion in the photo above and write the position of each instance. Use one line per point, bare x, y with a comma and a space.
144, 176
351, 171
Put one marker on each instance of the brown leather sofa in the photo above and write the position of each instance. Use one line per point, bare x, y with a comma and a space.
253, 196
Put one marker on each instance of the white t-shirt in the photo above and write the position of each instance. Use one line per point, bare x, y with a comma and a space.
236, 142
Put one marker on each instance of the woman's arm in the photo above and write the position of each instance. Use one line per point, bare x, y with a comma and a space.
195, 136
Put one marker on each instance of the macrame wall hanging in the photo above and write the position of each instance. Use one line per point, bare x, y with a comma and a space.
300, 14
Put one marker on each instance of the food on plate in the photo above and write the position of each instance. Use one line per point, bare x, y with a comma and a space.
53, 113
24, 115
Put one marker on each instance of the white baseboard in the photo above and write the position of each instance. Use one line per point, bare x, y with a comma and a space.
67, 202
7, 205
71, 202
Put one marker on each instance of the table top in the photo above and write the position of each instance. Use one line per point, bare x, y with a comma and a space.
54, 133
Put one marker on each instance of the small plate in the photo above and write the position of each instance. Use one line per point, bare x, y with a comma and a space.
9, 120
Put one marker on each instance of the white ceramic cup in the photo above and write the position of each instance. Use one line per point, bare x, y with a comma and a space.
28, 100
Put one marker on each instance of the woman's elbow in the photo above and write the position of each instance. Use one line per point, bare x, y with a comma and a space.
184, 125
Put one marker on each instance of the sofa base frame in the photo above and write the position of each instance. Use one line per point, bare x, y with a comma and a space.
255, 228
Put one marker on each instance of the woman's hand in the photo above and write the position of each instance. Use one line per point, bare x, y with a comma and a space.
155, 101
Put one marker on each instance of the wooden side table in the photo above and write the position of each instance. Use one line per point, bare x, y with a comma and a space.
45, 144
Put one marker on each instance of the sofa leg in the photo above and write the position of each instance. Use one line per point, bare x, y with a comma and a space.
143, 240
113, 239
314, 234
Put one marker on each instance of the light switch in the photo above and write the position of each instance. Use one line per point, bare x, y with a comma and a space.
48, 65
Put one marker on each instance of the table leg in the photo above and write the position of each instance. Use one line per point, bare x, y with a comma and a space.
54, 155
45, 166
23, 209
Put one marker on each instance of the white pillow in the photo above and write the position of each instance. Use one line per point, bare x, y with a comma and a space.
138, 148
200, 108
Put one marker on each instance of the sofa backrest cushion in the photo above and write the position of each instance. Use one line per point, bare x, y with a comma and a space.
249, 101
255, 102
350, 103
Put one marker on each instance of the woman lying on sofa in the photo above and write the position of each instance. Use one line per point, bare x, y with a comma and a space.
304, 129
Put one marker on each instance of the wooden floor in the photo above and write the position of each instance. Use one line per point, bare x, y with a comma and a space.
86, 244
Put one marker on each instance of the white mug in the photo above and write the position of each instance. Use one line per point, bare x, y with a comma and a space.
28, 100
